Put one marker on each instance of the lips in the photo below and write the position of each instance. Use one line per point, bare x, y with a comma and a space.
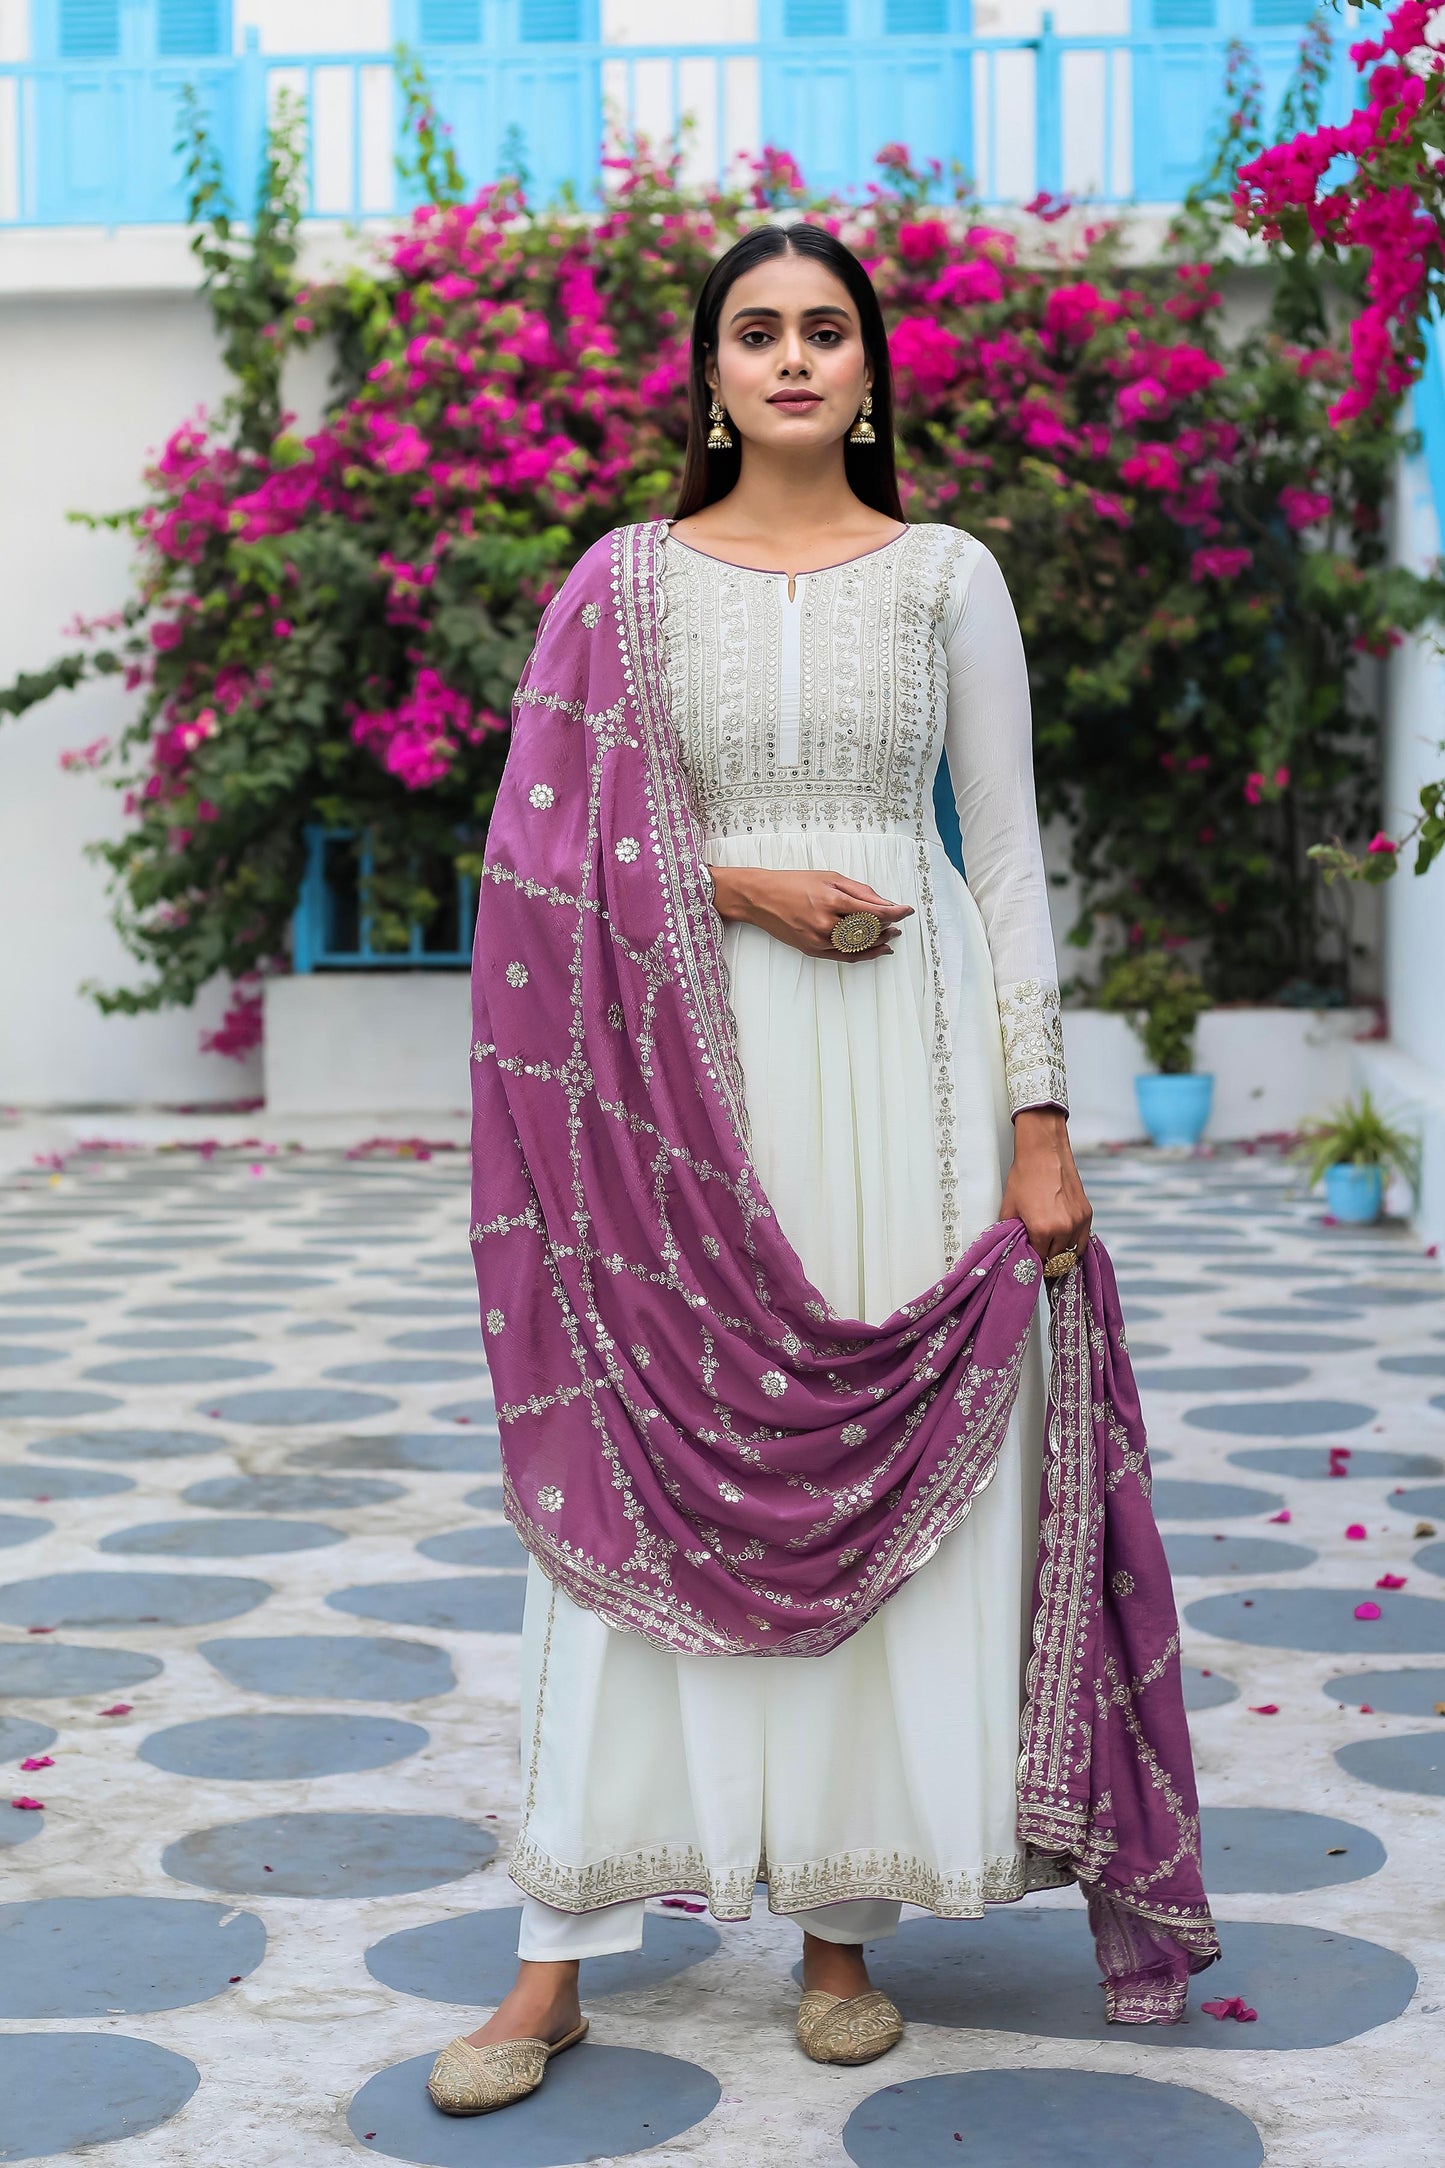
798, 399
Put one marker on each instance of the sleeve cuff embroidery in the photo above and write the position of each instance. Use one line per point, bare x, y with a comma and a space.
1033, 1045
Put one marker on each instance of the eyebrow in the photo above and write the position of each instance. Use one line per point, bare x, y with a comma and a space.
824, 308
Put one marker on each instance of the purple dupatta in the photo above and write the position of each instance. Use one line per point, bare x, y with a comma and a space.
694, 1445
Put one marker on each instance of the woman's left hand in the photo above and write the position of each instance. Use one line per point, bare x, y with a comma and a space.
1043, 1187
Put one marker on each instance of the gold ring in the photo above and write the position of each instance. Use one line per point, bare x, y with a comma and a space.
859, 930
1060, 1262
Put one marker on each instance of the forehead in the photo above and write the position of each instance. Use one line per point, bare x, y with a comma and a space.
792, 284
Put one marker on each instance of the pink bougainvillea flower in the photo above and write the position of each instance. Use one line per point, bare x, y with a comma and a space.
1233, 2006
1302, 507
1339, 1454
118, 1708
1356, 1532
1391, 1580
965, 284
1265, 1708
1368, 1611
1220, 564
28, 1805
921, 239
38, 1761
1382, 845
1152, 466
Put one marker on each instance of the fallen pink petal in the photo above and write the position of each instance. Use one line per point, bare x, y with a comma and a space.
38, 1761
1391, 1580
683, 1904
1356, 1532
1265, 1708
1367, 1708
28, 1805
118, 1708
1233, 2006
1286, 1515
1368, 1610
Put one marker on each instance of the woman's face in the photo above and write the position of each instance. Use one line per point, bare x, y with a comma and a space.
790, 367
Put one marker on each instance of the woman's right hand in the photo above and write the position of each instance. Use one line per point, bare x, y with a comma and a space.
802, 906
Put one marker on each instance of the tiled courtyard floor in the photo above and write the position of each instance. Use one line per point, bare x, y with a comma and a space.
258, 1648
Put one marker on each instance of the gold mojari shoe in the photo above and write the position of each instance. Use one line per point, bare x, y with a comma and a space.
468, 2080
847, 2029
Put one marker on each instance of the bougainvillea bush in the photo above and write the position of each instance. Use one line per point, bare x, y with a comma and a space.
327, 624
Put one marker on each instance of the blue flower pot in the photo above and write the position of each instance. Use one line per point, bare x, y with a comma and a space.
1174, 1109
1353, 1192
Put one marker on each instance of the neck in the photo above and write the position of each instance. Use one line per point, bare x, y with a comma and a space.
774, 496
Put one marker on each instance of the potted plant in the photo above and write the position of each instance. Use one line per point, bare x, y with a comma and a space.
1163, 999
1353, 1147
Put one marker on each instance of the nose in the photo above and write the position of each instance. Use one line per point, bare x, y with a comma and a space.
793, 356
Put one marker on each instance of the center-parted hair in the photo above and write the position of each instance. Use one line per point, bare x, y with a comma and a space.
706, 476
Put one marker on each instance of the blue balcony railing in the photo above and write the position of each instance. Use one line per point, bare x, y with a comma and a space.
331, 930
1104, 118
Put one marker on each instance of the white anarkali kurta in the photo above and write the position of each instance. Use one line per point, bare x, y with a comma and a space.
880, 1096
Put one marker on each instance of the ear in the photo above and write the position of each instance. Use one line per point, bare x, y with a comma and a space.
710, 373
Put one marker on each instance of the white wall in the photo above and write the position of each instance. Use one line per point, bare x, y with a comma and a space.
91, 385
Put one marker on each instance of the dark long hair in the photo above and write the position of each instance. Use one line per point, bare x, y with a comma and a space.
870, 469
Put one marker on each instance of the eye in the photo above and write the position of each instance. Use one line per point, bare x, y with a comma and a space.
829, 335
753, 336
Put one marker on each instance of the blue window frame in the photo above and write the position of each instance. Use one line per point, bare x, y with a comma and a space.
186, 28
549, 22
915, 18
449, 22
87, 29
331, 930
815, 18
131, 29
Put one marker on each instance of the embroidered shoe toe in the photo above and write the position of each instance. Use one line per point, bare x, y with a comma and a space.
847, 2029
470, 2080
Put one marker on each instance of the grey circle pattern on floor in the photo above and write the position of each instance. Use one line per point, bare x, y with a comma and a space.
13, 1357
480, 1603
17, 1528
17, 1826
24, 1407
1428, 1365
1222, 1377
330, 1855
25, 1321
473, 1958
177, 1370
41, 1484
279, 1405
1194, 1555
130, 1445
1206, 1688
420, 1306
128, 1599
1277, 1849
63, 2091
281, 1493
274, 1746
1394, 1693
159, 1339
494, 1546
463, 1340
219, 1538
1280, 1418
1414, 1761
466, 1411
260, 1283
19, 1738
199, 1310
597, 2101
1430, 1559
1289, 1343
401, 1370
340, 1667
1321, 1621
1176, 1498
1311, 1463
94, 1956
41, 1671
1031, 1969
425, 1451
1044, 2118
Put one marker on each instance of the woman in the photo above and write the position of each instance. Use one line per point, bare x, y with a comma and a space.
759, 1080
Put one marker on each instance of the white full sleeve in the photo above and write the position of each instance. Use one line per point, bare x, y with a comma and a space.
989, 744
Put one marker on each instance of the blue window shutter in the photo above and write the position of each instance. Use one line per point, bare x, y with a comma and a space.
189, 26
89, 29
815, 18
915, 18
1281, 14
549, 22
1183, 14
450, 22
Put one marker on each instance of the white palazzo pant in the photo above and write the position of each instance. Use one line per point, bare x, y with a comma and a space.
883, 1772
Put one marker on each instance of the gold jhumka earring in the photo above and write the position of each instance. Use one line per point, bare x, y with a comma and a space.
719, 437
862, 430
